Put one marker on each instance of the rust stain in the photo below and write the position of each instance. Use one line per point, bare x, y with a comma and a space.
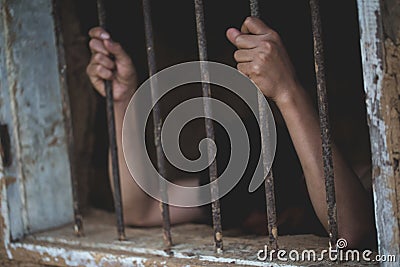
9, 19
53, 142
10, 180
3, 225
97, 258
390, 110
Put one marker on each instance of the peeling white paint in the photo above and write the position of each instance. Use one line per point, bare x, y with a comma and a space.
4, 217
178, 253
373, 67
7, 68
79, 257
75, 257
113, 246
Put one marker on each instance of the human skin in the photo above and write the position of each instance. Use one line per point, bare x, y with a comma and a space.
263, 58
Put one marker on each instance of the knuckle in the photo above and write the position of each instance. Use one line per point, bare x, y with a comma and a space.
274, 35
263, 56
255, 69
97, 57
99, 69
240, 68
107, 74
266, 47
239, 39
248, 20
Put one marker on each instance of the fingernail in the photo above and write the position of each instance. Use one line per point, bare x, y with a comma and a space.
104, 36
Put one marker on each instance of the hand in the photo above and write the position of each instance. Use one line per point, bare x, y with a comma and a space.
262, 57
101, 67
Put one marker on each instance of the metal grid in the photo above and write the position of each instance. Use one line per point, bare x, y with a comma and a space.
161, 160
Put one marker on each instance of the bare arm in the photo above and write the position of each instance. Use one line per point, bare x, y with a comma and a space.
139, 208
262, 57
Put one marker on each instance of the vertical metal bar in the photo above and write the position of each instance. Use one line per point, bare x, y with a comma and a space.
78, 221
151, 59
324, 122
112, 137
271, 210
269, 180
255, 9
202, 44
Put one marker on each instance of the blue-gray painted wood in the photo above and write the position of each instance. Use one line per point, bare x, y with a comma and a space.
31, 104
13, 190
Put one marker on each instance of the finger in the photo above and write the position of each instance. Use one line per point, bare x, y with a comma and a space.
105, 61
247, 41
119, 53
98, 71
240, 40
99, 85
232, 34
254, 25
97, 46
244, 68
99, 33
244, 55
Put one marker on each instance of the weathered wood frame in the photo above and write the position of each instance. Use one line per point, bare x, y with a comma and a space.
381, 66
380, 38
36, 110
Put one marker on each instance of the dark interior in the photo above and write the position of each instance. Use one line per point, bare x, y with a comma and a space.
175, 38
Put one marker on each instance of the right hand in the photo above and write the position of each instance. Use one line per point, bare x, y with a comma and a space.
120, 71
262, 57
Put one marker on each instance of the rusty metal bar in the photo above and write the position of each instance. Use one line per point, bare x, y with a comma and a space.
255, 8
269, 180
271, 210
157, 120
202, 44
112, 138
324, 122
78, 220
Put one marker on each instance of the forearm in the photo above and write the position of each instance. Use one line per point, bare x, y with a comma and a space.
262, 57
354, 210
136, 202
141, 209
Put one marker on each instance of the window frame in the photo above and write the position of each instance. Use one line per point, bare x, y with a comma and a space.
13, 211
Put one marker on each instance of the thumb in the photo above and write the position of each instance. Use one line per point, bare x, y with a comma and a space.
117, 51
232, 34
